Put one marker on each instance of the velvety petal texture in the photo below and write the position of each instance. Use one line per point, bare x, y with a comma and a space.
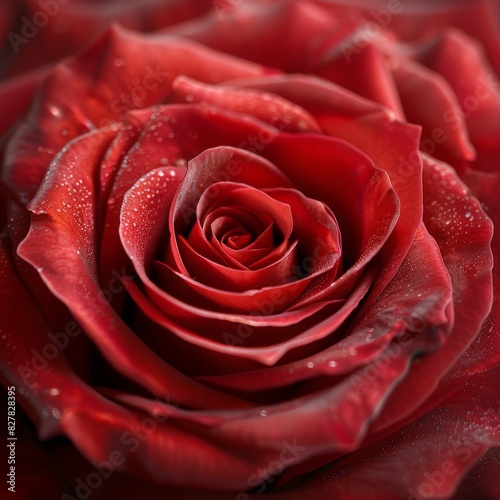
255, 252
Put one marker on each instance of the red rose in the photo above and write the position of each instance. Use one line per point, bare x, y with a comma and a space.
226, 276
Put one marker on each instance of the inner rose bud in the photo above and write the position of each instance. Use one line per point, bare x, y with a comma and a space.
232, 213
243, 225
236, 224
246, 238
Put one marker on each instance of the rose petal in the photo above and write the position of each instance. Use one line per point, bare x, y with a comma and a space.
286, 35
265, 301
484, 353
374, 203
444, 133
342, 414
362, 68
476, 88
269, 108
16, 95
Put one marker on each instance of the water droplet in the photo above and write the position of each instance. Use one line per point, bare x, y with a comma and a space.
54, 110
263, 413
119, 62
332, 364
302, 124
310, 364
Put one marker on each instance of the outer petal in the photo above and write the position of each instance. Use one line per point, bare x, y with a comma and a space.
16, 95
477, 91
284, 35
444, 134
268, 108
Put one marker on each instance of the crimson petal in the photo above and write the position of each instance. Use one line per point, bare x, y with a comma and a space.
476, 88
269, 108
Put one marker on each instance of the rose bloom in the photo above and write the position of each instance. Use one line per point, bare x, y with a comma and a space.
253, 254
